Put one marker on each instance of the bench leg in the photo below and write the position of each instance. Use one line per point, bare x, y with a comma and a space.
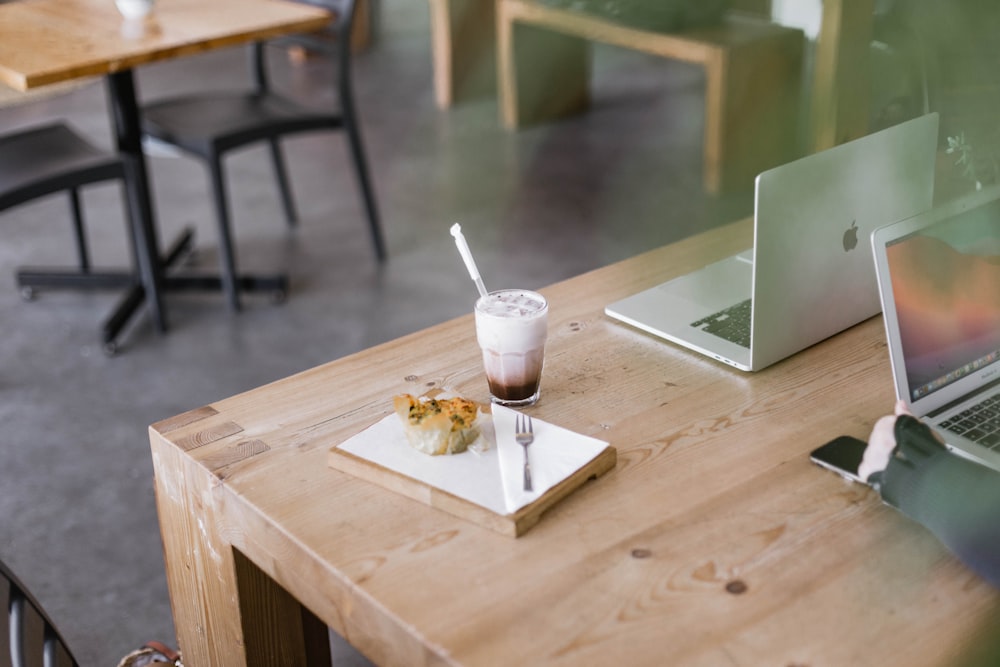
841, 78
463, 44
752, 111
543, 75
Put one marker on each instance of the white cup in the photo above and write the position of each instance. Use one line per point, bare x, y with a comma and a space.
134, 9
511, 327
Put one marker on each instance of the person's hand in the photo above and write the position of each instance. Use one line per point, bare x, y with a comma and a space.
881, 442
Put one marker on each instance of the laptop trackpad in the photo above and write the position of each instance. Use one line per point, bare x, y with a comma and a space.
672, 307
709, 290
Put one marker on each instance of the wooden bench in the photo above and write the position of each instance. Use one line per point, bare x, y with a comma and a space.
463, 45
753, 74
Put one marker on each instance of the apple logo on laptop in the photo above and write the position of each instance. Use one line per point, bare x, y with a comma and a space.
851, 237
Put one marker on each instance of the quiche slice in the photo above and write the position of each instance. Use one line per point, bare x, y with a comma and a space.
438, 425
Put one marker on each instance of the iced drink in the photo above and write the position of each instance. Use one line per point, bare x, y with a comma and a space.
511, 326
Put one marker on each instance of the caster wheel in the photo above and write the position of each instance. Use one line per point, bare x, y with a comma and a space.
28, 293
110, 348
279, 296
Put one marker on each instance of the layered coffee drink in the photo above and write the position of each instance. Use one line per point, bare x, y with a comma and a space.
511, 326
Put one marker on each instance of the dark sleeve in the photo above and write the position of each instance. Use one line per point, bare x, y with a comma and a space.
956, 499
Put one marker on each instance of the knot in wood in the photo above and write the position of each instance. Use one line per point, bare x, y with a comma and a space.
736, 587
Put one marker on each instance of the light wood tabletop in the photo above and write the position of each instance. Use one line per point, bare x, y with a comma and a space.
48, 41
714, 541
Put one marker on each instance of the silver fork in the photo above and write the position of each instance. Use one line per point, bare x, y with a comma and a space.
525, 435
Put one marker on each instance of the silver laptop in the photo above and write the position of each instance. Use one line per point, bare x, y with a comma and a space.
806, 277
939, 279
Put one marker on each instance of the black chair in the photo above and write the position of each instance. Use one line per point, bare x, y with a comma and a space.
44, 160
52, 158
32, 637
209, 125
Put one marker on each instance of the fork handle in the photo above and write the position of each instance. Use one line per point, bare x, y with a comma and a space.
527, 472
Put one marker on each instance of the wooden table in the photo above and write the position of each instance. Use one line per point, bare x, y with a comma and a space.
713, 542
44, 42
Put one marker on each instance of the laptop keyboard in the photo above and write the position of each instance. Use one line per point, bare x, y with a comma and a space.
980, 423
732, 324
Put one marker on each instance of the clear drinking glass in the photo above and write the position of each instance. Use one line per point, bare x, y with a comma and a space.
134, 9
511, 327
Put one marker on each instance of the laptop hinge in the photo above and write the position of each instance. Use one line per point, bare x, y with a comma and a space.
964, 399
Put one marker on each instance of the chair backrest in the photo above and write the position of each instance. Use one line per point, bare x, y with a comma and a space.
32, 638
334, 40
336, 36
343, 11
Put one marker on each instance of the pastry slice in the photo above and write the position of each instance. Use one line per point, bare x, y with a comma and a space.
438, 425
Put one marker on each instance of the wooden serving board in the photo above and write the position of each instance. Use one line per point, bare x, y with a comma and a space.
514, 524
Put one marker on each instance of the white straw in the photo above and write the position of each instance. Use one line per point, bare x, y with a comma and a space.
470, 264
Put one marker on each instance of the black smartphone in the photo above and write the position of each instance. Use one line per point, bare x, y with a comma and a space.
842, 455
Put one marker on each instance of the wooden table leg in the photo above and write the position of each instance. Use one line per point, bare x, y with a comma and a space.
463, 43
543, 74
277, 629
227, 612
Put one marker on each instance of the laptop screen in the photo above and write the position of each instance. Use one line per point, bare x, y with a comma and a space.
946, 289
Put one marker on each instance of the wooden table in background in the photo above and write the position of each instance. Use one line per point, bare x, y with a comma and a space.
714, 541
44, 42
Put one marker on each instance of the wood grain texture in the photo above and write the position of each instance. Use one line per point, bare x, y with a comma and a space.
714, 540
185, 418
753, 71
50, 41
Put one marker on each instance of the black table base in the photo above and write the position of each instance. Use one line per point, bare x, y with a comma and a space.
31, 279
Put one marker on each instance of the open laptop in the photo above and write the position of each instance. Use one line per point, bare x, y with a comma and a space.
939, 279
806, 277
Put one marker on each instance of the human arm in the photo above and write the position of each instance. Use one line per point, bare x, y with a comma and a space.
958, 500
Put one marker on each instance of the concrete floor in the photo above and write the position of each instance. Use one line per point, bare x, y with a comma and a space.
79, 522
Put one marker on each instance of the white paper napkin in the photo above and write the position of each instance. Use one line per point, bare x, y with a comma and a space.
555, 454
474, 477
492, 479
